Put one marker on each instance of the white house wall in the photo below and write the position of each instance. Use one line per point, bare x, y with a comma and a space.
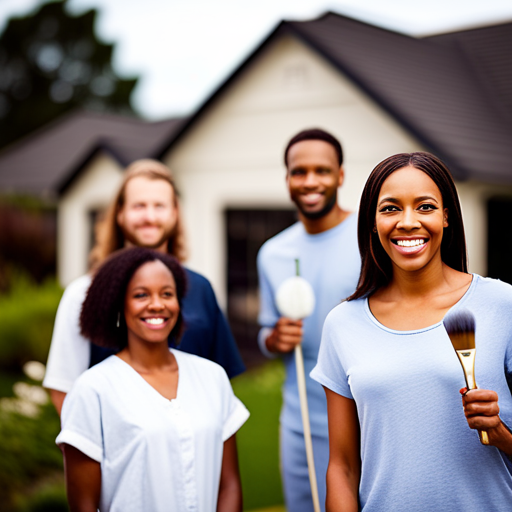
232, 156
92, 190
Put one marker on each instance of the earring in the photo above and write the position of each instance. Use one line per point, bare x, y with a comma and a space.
375, 229
118, 318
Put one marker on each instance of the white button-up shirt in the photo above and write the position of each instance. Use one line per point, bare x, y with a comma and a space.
156, 454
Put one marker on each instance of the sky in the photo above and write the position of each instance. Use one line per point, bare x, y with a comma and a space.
183, 49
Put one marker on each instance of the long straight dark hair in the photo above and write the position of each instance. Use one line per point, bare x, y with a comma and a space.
376, 267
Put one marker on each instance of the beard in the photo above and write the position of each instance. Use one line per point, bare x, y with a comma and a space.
133, 239
329, 205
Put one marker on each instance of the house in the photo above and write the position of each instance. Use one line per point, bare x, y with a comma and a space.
379, 91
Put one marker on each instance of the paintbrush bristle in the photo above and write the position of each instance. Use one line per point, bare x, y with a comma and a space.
460, 327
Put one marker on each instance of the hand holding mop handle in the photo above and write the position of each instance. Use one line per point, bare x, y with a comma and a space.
295, 299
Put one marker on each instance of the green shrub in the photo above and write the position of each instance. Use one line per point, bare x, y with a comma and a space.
27, 314
49, 498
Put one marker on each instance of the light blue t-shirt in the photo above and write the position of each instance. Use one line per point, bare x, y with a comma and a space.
418, 453
330, 262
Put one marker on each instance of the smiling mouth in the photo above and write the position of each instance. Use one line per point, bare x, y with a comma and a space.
312, 198
410, 243
154, 321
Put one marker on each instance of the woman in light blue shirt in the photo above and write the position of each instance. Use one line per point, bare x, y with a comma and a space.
400, 440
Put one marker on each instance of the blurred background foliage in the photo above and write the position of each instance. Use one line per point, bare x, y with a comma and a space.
27, 239
52, 62
27, 314
31, 477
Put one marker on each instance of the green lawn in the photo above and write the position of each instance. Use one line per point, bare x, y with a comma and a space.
258, 440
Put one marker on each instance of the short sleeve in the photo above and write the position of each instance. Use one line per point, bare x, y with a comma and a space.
81, 420
268, 315
69, 351
329, 371
235, 412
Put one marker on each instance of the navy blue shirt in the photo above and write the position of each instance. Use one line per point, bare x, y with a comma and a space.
206, 334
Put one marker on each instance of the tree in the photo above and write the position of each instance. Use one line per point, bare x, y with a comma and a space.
52, 62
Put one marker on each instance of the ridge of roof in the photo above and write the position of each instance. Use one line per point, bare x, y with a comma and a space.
429, 88
231, 78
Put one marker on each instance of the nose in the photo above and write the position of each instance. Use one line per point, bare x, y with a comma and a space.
408, 220
310, 180
156, 303
150, 213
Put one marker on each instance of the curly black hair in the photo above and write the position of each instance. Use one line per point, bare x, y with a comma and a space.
103, 306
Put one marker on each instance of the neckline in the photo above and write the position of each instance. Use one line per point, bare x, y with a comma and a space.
153, 390
458, 304
328, 232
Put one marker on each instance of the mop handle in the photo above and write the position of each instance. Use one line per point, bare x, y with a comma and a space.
301, 383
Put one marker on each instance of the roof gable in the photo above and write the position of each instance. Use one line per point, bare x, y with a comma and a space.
438, 89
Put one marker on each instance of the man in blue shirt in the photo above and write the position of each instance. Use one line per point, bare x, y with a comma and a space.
325, 242
145, 213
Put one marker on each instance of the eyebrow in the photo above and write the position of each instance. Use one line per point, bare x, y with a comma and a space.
143, 287
417, 199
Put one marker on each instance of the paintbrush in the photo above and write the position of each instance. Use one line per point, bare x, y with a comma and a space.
460, 327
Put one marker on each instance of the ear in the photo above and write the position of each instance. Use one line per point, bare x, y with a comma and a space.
445, 219
341, 176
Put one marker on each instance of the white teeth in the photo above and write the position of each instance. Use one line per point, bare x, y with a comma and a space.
410, 243
154, 321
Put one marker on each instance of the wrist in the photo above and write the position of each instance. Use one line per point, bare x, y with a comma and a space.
264, 333
270, 342
503, 438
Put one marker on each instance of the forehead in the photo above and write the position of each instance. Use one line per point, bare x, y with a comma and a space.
152, 273
409, 181
144, 189
312, 152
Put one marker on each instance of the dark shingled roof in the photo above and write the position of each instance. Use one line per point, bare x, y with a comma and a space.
45, 162
453, 92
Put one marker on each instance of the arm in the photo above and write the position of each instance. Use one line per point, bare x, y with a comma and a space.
482, 413
57, 398
278, 335
230, 488
83, 480
69, 350
285, 336
344, 469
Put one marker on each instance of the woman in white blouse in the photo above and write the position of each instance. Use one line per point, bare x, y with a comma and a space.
148, 429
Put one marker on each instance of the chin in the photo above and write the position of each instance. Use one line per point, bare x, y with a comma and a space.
151, 243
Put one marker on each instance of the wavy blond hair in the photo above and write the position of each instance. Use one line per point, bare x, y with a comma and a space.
109, 236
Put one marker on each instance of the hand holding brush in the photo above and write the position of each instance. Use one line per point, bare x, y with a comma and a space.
460, 327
